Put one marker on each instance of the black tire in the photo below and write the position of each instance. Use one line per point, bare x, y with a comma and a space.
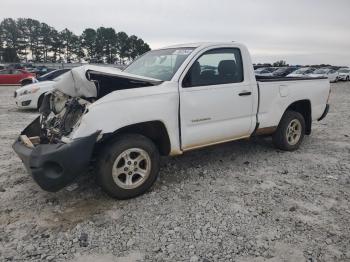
347, 78
110, 153
280, 137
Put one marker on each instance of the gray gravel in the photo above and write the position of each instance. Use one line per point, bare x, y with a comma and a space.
242, 201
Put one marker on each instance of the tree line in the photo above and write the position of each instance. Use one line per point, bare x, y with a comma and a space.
26, 39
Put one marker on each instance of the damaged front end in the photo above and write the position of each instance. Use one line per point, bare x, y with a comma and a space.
60, 114
54, 160
47, 147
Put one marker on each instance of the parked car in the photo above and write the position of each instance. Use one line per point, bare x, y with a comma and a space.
32, 95
47, 77
331, 74
29, 67
15, 66
344, 74
167, 102
13, 76
42, 70
263, 71
283, 71
302, 72
2, 66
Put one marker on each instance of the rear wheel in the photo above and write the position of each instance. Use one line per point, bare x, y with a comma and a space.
290, 132
128, 167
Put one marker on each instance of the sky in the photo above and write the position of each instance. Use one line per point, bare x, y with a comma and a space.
298, 31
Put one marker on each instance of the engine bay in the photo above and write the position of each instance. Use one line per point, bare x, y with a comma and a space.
60, 114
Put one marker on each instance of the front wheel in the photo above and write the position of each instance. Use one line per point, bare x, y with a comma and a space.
128, 167
290, 131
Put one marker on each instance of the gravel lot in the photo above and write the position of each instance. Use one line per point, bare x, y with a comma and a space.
242, 201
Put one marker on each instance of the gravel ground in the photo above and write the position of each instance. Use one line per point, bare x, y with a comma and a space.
242, 201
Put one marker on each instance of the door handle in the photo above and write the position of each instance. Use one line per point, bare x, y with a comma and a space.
245, 93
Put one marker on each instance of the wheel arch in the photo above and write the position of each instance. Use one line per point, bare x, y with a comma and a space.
154, 130
304, 108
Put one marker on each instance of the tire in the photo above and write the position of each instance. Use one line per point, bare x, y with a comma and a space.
284, 137
347, 78
117, 172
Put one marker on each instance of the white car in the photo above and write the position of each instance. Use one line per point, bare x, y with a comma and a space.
344, 74
31, 96
331, 74
167, 102
263, 72
302, 72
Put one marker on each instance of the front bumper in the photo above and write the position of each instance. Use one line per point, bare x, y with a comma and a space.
54, 166
325, 112
26, 101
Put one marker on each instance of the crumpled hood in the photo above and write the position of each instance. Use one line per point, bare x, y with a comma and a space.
79, 83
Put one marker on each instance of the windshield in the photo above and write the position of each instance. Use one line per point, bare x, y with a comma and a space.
160, 64
321, 71
344, 71
46, 75
53, 75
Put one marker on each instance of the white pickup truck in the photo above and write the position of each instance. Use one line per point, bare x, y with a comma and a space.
167, 102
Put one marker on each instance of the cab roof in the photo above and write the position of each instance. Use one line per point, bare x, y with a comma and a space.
200, 44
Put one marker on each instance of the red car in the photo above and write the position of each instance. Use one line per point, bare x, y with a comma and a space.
13, 76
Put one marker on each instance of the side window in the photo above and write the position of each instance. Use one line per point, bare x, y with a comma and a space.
215, 67
16, 72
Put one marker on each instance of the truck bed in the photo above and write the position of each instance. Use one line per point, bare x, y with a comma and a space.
276, 94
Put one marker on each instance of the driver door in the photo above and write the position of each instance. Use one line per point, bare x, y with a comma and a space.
216, 103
